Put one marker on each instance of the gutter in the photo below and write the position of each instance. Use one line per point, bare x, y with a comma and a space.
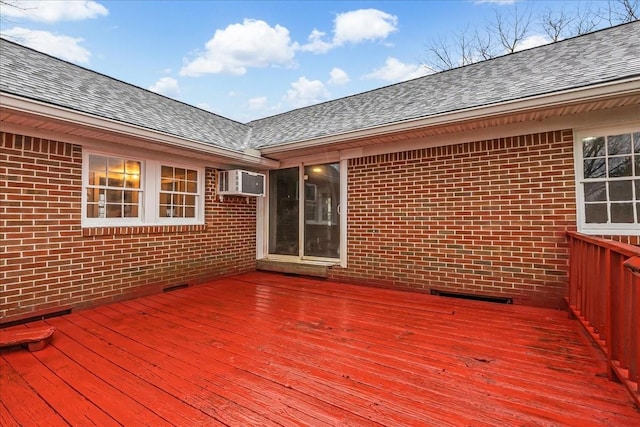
67, 115
571, 96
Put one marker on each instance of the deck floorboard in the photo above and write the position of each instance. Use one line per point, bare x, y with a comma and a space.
267, 349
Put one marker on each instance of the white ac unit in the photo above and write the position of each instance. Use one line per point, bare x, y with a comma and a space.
240, 183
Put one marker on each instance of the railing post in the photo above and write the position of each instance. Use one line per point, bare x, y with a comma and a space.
609, 314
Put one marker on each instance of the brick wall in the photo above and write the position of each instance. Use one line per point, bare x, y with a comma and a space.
485, 217
50, 263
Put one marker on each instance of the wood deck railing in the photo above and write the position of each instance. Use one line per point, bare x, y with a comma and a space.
604, 294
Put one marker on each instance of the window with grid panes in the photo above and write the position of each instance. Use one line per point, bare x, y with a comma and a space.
609, 179
113, 189
178, 192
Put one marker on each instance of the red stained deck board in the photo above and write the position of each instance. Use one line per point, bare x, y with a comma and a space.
27, 407
65, 402
516, 389
267, 349
346, 397
241, 374
161, 368
226, 378
124, 386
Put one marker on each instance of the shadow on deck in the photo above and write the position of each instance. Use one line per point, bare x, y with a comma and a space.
266, 349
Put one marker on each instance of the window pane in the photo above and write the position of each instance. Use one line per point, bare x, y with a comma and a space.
116, 165
190, 200
622, 213
116, 180
192, 175
131, 197
181, 174
621, 190
93, 195
595, 192
132, 167
619, 144
165, 198
594, 168
192, 187
130, 211
620, 166
92, 210
165, 211
596, 213
636, 142
593, 147
283, 211
114, 211
638, 213
190, 212
114, 196
637, 184
132, 181
637, 162
97, 170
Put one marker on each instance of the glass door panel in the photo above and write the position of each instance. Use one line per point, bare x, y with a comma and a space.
322, 210
284, 211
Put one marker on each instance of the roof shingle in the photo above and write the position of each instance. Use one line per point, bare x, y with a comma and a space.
604, 56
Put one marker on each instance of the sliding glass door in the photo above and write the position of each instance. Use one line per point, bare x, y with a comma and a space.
322, 211
304, 211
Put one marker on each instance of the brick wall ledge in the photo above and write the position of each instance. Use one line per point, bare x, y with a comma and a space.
143, 229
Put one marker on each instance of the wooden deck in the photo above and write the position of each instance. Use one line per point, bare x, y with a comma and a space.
266, 349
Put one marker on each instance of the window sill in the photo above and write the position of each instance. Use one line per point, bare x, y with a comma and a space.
142, 229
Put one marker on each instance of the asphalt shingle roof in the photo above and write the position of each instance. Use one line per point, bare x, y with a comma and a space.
604, 56
599, 57
38, 76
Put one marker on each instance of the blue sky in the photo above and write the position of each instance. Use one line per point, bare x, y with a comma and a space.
250, 59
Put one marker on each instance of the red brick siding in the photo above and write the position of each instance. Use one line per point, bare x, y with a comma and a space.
484, 217
50, 262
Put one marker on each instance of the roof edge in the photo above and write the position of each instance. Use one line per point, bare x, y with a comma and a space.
50, 111
575, 95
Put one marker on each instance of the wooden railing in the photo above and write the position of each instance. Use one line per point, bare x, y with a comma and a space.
604, 294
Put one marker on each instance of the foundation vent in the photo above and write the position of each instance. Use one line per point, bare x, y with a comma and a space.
498, 300
175, 287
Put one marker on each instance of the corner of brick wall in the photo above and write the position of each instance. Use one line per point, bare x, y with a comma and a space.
51, 262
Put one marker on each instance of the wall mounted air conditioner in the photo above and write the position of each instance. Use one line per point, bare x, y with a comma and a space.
240, 183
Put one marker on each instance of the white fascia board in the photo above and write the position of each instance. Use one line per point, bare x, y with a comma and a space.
571, 96
70, 116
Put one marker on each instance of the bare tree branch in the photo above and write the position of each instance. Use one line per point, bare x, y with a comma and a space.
511, 27
556, 24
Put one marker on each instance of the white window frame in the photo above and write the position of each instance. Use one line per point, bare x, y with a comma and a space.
620, 229
150, 180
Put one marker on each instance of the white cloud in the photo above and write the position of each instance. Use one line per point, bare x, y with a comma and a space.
63, 47
533, 41
239, 46
166, 86
395, 71
316, 44
362, 25
338, 77
353, 27
51, 11
305, 92
258, 103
